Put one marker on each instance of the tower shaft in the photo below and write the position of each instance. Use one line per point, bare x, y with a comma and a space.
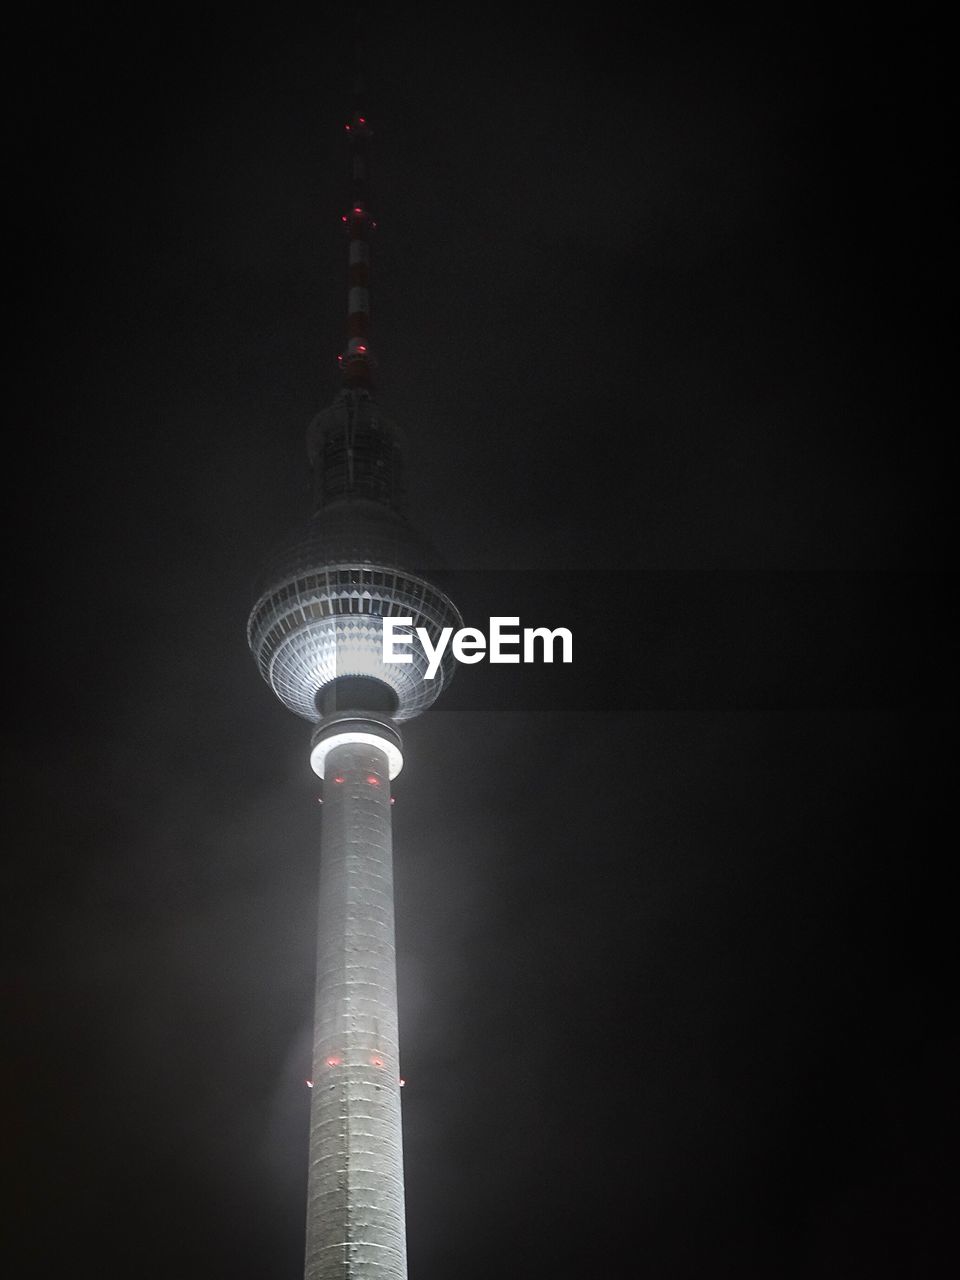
355, 1203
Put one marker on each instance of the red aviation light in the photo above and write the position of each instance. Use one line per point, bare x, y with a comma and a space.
401, 1082
334, 1061
339, 778
343, 217
373, 780
376, 1062
361, 347
308, 1083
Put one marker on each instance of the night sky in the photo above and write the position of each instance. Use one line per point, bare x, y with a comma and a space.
657, 295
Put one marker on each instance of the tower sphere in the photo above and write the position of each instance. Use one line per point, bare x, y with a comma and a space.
318, 617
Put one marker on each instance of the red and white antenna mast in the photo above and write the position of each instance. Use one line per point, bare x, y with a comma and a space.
356, 362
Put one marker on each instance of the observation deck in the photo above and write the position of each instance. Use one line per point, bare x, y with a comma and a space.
318, 615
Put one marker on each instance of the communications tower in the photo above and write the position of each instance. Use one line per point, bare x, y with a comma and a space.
316, 633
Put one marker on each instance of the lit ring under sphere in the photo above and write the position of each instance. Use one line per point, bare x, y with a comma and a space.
320, 614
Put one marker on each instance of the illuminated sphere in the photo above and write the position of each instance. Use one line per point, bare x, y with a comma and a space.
319, 616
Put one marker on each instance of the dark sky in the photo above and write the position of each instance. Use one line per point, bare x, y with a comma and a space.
653, 294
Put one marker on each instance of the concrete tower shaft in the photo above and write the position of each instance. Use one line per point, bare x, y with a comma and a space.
355, 1205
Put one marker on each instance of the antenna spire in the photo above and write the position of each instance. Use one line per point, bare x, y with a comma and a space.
356, 362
